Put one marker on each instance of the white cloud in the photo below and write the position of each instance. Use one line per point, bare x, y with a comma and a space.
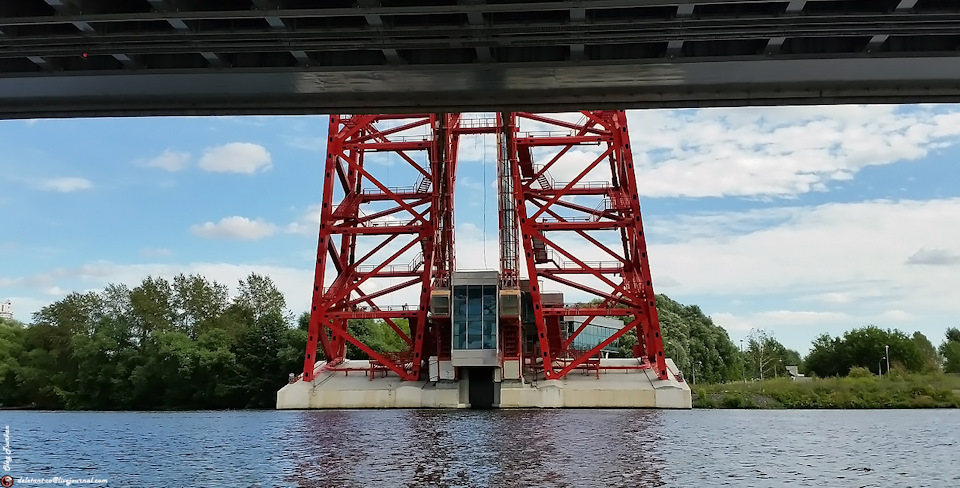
777, 318
772, 152
778, 151
895, 316
236, 157
235, 228
934, 257
54, 291
851, 253
307, 223
170, 161
65, 185
806, 269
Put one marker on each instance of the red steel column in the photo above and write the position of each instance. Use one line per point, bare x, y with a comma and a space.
552, 219
400, 242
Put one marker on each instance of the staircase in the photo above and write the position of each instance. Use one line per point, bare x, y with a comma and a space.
544, 181
416, 262
540, 251
510, 335
423, 185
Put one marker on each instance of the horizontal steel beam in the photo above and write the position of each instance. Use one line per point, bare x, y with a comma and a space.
202, 10
153, 59
468, 88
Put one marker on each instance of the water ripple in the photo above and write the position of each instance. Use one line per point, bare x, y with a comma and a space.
505, 448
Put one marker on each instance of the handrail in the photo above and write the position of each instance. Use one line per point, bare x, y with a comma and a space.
393, 189
476, 123
561, 263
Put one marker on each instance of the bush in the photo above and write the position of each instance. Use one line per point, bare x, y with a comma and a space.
703, 399
904, 390
737, 400
859, 372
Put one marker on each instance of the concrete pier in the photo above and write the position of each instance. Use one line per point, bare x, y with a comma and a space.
611, 388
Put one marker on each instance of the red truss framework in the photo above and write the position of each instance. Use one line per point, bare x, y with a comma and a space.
418, 220
356, 249
558, 231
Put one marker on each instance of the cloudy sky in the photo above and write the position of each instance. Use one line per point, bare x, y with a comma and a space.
795, 220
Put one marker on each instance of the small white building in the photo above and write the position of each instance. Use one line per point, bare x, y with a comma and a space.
795, 374
6, 310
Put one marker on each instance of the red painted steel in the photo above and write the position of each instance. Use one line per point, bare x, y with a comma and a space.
409, 237
556, 229
595, 213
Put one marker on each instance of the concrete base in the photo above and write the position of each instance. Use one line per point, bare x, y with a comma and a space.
579, 389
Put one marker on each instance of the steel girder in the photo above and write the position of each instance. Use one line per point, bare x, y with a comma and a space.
420, 217
92, 58
550, 215
356, 249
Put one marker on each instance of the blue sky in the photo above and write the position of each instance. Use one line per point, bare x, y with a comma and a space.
797, 220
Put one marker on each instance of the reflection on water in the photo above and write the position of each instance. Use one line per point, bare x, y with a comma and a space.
450, 448
504, 448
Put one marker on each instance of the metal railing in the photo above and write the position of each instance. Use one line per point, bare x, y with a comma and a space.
563, 264
394, 189
584, 184
412, 266
560, 184
478, 123
548, 133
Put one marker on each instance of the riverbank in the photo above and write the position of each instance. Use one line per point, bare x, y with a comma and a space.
896, 391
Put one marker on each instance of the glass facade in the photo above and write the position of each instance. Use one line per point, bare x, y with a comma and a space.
591, 335
474, 317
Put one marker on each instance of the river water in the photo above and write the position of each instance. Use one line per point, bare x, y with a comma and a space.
510, 448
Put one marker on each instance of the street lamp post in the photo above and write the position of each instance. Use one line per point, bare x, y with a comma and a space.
760, 362
743, 364
880, 366
886, 354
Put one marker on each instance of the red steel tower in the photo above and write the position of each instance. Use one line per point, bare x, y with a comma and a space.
584, 234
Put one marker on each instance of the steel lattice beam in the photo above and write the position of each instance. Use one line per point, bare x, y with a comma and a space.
416, 220
535, 212
633, 297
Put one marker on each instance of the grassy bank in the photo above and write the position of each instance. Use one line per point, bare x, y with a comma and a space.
896, 391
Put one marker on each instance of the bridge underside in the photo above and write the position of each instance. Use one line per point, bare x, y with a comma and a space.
63, 58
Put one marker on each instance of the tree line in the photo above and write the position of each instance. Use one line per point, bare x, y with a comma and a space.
180, 344
701, 348
186, 344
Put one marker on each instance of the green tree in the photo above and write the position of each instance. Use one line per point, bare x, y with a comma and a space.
950, 350
953, 334
766, 357
293, 347
104, 361
377, 335
151, 308
303, 321
259, 365
821, 360
865, 347
931, 359
261, 296
197, 303
692, 340
951, 356
11, 352
216, 364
